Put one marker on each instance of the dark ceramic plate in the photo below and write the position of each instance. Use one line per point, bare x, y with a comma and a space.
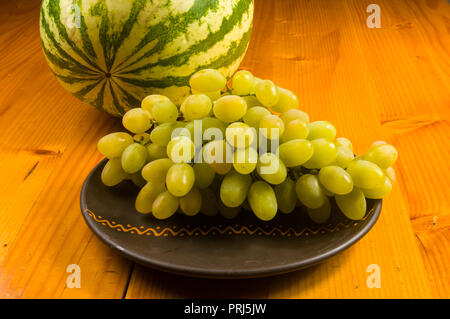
215, 247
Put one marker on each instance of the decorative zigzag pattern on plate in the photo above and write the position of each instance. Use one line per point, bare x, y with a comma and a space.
157, 231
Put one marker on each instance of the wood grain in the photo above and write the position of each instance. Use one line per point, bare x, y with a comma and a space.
390, 84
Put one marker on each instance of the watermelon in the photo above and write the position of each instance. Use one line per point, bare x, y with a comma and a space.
113, 53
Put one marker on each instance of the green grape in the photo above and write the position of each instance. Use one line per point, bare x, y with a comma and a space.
286, 196
162, 134
155, 151
213, 95
218, 154
266, 145
191, 203
147, 196
343, 142
379, 192
324, 153
295, 152
138, 180
217, 151
327, 192
353, 204
254, 116
181, 149
230, 108
134, 158
142, 138
243, 82
137, 120
228, 212
180, 179
204, 175
196, 107
336, 180
287, 101
150, 101
271, 127
240, 135
112, 173
209, 202
164, 205
234, 188
271, 169
390, 173
188, 130
295, 129
320, 215
156, 170
112, 145
251, 101
221, 168
213, 123
267, 93
365, 174
262, 200
165, 112
309, 191
245, 160
383, 155
344, 156
256, 81
294, 114
321, 129
207, 80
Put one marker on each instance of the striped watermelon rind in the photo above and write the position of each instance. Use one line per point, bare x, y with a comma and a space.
112, 53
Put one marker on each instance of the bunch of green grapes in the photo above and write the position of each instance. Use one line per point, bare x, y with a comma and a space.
254, 150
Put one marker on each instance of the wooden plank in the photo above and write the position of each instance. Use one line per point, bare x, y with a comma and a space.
54, 235
315, 50
48, 147
414, 114
433, 238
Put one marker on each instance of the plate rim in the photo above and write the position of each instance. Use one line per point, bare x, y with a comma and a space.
215, 273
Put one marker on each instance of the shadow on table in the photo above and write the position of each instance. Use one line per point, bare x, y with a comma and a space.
148, 283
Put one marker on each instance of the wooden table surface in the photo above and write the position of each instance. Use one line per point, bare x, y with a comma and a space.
391, 83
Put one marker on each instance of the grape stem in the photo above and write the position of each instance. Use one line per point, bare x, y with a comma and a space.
228, 89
